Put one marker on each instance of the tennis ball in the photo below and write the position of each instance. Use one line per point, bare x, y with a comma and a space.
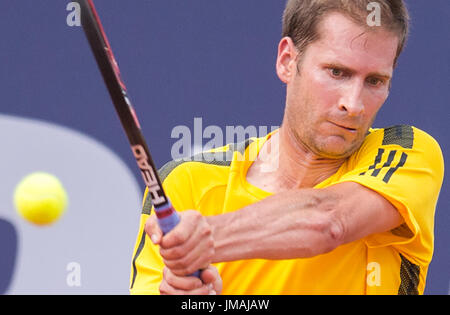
40, 198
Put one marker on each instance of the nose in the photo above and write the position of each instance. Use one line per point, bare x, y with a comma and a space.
351, 100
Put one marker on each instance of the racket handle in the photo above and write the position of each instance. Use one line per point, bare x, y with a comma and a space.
168, 218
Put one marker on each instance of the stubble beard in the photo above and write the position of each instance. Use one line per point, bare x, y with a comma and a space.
307, 138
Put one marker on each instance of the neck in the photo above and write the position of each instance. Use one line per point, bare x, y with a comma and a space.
286, 163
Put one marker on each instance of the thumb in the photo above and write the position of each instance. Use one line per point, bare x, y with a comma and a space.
207, 276
211, 277
152, 230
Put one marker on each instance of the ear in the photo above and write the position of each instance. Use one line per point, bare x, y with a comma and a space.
286, 60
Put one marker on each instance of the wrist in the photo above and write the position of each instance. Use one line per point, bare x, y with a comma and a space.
214, 224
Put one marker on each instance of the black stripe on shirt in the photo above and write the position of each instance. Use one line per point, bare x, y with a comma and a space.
402, 135
409, 276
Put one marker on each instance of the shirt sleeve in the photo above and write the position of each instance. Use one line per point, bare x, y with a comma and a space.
147, 264
406, 166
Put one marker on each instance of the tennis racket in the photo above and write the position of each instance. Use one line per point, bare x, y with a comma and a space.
166, 214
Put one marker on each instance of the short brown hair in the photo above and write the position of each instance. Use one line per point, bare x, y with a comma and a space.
301, 17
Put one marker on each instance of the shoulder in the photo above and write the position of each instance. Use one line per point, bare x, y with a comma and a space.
407, 144
404, 137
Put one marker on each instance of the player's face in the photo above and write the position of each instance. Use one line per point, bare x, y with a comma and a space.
341, 83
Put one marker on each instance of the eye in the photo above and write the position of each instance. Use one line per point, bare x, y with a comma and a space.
375, 81
336, 72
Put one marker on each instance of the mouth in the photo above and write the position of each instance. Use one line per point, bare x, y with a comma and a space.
345, 127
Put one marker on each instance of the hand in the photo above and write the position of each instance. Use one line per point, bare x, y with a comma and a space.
188, 247
210, 283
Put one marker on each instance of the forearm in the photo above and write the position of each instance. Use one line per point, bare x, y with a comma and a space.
292, 224
299, 223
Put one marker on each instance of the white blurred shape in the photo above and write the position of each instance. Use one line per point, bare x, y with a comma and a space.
99, 227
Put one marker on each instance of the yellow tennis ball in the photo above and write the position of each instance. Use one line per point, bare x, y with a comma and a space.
40, 198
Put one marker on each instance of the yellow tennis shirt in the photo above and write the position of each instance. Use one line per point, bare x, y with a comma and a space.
402, 163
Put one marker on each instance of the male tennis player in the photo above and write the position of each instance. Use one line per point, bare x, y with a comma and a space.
329, 205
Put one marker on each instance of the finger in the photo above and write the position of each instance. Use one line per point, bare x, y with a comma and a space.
198, 248
167, 289
199, 257
197, 240
153, 230
189, 222
182, 283
189, 252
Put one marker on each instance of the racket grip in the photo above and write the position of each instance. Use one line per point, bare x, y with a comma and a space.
168, 218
